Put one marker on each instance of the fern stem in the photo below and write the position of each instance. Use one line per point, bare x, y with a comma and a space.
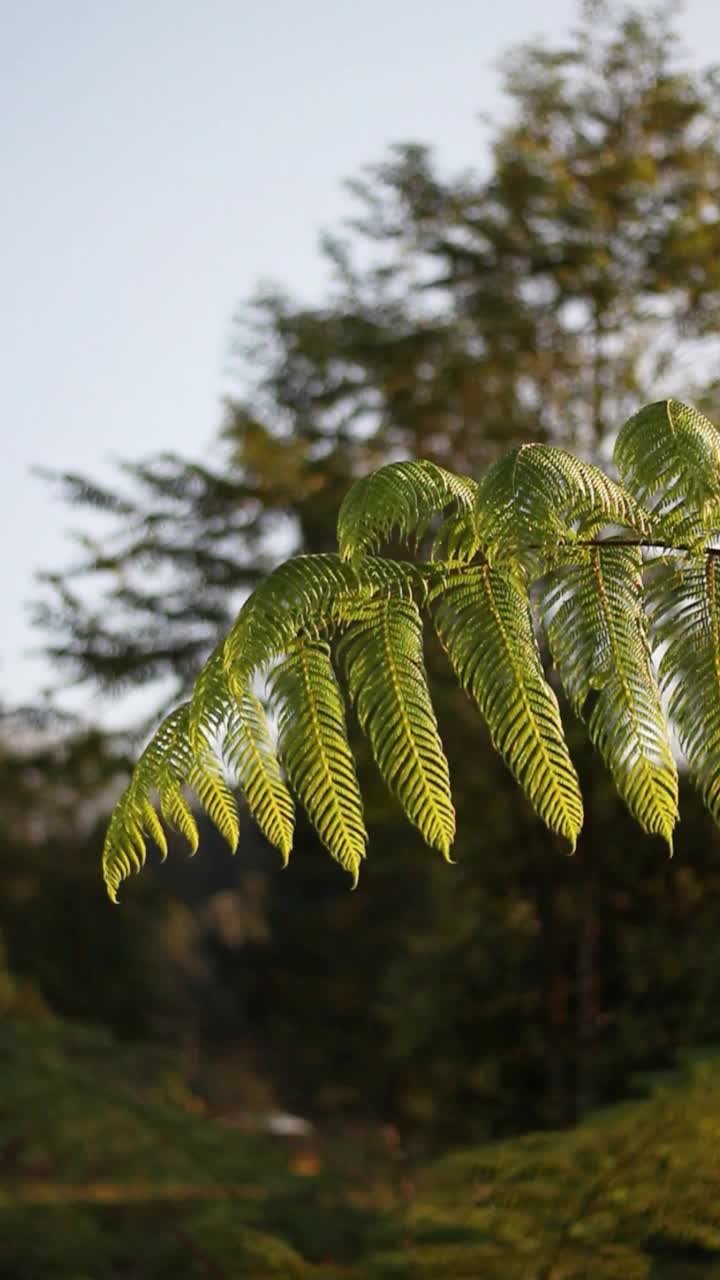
629, 542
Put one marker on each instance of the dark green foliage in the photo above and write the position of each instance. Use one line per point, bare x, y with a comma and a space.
629, 1194
107, 1170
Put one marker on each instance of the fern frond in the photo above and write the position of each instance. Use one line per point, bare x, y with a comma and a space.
221, 708
399, 499
684, 609
668, 456
538, 496
167, 762
249, 752
382, 658
484, 625
210, 701
537, 509
154, 827
458, 537
226, 715
592, 606
308, 594
313, 745
207, 781
177, 812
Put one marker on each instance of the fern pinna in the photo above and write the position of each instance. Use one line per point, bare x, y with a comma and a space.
620, 580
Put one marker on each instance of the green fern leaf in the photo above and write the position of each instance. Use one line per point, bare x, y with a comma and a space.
210, 702
592, 607
154, 828
207, 781
309, 595
383, 661
539, 508
166, 763
166, 757
484, 625
249, 751
458, 538
313, 745
668, 456
399, 499
539, 497
177, 812
224, 711
684, 612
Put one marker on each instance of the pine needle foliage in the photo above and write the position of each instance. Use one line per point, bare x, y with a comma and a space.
618, 578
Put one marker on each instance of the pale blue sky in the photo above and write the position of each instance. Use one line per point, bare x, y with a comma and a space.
159, 158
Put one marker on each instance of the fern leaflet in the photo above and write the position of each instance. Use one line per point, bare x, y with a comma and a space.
484, 625
668, 456
685, 626
251, 755
313, 745
400, 498
382, 657
592, 608
540, 496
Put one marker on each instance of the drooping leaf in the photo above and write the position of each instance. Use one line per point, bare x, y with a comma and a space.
383, 661
210, 701
211, 788
484, 625
165, 765
592, 605
313, 745
177, 812
249, 750
684, 611
166, 760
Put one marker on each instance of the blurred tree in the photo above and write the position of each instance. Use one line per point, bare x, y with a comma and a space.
56, 782
543, 299
109, 1167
